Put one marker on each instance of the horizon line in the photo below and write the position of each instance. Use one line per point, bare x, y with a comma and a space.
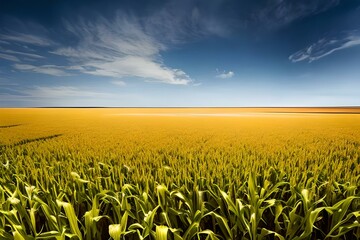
258, 107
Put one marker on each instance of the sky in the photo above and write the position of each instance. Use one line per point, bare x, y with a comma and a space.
188, 53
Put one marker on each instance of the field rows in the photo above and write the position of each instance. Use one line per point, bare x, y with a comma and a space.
133, 174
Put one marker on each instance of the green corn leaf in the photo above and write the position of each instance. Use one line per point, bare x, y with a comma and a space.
266, 232
162, 232
71, 216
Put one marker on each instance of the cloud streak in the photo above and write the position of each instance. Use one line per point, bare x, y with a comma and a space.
26, 39
63, 91
327, 46
278, 13
13, 56
182, 21
53, 92
9, 57
30, 55
52, 70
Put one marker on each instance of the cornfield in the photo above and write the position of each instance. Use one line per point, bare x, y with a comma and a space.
132, 174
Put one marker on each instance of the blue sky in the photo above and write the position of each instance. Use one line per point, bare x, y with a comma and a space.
179, 53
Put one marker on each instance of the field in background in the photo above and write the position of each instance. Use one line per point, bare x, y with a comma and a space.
227, 173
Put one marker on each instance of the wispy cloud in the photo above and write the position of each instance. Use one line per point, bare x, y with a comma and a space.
224, 74
13, 56
30, 55
43, 69
9, 57
7, 83
119, 83
26, 38
4, 42
53, 92
183, 21
63, 91
279, 13
16, 45
119, 48
327, 46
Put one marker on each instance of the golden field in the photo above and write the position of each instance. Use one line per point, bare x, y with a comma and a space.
183, 173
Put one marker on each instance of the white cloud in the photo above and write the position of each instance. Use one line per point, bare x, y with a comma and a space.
119, 48
9, 57
225, 75
119, 83
327, 46
43, 69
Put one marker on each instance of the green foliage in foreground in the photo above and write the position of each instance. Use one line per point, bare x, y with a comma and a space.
266, 206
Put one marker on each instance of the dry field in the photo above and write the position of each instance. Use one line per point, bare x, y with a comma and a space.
206, 173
